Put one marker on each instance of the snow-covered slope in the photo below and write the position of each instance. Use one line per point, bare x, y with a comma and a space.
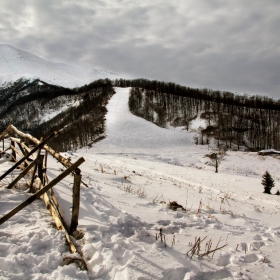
15, 63
132, 175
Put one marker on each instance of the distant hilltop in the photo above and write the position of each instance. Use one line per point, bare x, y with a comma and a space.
16, 64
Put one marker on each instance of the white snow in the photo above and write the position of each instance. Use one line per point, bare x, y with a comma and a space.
132, 175
46, 115
15, 64
269, 151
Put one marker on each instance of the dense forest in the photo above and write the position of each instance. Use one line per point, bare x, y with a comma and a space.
39, 109
79, 114
252, 121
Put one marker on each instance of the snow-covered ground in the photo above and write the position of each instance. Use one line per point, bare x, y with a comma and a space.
15, 64
132, 175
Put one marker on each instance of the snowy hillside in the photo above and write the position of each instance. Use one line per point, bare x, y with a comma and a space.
15, 63
133, 174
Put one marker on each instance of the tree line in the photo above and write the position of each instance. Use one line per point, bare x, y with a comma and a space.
80, 122
252, 121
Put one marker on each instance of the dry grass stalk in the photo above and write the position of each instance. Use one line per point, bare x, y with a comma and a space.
101, 168
159, 199
199, 207
197, 247
161, 236
173, 241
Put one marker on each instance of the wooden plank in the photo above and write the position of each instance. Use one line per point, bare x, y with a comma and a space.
17, 140
54, 153
55, 202
28, 154
59, 221
19, 153
22, 144
23, 152
22, 174
42, 191
5, 133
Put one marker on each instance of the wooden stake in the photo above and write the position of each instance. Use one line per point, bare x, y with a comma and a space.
45, 167
40, 167
35, 169
14, 155
76, 201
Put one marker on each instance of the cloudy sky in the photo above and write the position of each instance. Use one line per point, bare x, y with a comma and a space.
229, 45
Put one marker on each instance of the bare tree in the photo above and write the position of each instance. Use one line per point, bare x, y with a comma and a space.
216, 159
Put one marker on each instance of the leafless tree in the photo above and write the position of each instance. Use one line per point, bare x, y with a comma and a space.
216, 159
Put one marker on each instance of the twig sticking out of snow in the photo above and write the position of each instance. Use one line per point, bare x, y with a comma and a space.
197, 248
162, 237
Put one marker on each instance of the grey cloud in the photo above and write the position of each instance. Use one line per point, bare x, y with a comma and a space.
227, 45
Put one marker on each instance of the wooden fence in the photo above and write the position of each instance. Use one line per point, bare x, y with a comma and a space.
34, 163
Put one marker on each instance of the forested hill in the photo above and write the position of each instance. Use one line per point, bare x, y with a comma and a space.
252, 121
40, 108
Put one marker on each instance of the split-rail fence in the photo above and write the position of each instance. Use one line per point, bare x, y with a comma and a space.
33, 161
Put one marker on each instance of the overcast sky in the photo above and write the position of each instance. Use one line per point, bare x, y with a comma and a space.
229, 45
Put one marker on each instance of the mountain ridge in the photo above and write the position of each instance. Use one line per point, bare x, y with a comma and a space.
16, 64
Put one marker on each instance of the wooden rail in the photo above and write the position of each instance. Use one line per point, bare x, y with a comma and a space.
41, 144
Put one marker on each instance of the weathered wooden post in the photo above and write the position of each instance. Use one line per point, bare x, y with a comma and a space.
76, 200
14, 157
38, 161
45, 167
26, 141
40, 167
